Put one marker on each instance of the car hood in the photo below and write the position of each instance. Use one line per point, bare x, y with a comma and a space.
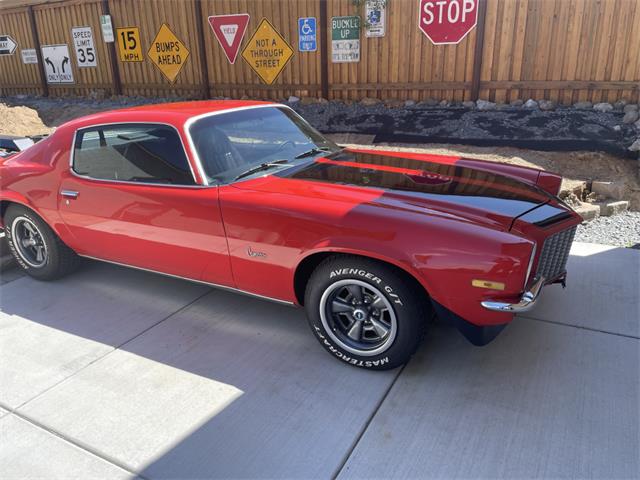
415, 181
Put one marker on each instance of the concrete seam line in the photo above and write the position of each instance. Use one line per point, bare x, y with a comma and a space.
77, 444
365, 427
117, 347
606, 332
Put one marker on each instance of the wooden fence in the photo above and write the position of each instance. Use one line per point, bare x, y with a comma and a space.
563, 50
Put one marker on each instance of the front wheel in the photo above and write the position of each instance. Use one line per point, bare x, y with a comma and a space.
365, 313
35, 246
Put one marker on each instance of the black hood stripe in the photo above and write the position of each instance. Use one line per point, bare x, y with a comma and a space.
418, 176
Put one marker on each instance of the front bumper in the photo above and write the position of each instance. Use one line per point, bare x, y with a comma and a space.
526, 302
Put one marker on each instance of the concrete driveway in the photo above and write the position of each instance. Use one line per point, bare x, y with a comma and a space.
114, 373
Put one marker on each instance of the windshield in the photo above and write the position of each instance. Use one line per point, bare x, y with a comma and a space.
230, 144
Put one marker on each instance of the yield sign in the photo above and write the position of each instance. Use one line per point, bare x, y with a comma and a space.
7, 45
229, 30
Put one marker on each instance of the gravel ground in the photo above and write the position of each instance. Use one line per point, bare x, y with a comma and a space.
564, 128
621, 230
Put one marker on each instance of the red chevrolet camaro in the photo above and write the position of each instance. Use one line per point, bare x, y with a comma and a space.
247, 196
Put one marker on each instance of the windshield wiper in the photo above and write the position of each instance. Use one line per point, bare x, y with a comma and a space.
258, 168
313, 151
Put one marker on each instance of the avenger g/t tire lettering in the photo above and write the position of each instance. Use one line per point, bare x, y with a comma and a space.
364, 312
35, 246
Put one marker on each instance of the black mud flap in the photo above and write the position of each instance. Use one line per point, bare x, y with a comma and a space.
478, 336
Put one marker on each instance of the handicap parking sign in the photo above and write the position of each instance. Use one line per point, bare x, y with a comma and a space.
307, 34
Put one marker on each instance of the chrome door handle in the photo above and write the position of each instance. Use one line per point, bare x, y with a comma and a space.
69, 194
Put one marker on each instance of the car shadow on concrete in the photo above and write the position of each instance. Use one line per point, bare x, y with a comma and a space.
221, 385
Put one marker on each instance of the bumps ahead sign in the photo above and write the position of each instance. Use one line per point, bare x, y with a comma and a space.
168, 53
266, 52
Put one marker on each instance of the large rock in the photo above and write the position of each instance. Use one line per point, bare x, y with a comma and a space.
631, 116
620, 104
603, 107
485, 105
369, 102
531, 104
588, 211
547, 105
394, 103
409, 103
612, 190
583, 105
293, 99
635, 146
613, 208
516, 103
469, 104
632, 107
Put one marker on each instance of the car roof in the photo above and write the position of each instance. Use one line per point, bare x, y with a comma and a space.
173, 113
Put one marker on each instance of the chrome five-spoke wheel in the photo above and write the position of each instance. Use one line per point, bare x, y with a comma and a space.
29, 243
358, 316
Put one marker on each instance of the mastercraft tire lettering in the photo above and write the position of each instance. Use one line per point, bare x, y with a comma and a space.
364, 312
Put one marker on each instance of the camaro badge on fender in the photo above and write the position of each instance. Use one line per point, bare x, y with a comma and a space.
253, 253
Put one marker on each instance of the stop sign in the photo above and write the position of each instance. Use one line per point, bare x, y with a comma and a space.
447, 21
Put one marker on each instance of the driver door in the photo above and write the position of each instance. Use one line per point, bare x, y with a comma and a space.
130, 197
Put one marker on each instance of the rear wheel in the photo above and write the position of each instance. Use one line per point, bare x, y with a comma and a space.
364, 312
35, 246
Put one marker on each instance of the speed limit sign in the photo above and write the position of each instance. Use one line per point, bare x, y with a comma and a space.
83, 43
129, 44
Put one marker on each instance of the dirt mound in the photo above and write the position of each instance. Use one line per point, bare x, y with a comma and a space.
21, 121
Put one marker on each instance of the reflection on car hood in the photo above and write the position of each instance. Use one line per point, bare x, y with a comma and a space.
431, 184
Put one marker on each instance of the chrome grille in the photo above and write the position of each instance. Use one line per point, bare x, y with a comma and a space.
555, 253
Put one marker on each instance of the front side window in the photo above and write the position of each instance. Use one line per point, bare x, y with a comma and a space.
132, 153
230, 143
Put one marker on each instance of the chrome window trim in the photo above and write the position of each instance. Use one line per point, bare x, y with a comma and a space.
190, 121
105, 180
214, 285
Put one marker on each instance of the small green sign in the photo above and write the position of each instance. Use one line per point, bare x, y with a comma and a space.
345, 39
345, 28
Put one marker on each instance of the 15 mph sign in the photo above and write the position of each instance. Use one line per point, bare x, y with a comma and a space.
447, 22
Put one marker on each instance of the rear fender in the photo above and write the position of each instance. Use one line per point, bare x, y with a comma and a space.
14, 197
9, 196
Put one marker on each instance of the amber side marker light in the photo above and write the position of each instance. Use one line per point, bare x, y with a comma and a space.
487, 284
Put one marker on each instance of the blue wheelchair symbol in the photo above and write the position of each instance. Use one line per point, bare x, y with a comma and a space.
307, 38
375, 17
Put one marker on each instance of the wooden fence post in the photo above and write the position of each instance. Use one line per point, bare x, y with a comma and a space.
324, 59
203, 53
36, 39
477, 53
111, 46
